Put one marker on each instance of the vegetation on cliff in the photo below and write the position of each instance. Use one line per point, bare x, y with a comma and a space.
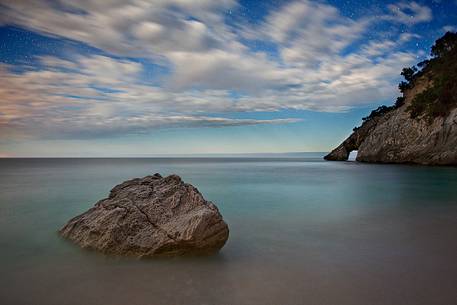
441, 96
420, 127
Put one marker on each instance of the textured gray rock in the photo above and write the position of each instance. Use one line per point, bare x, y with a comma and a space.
401, 139
397, 138
150, 216
341, 153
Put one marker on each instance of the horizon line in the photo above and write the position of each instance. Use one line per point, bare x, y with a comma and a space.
165, 155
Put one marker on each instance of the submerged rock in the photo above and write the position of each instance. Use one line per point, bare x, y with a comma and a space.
150, 216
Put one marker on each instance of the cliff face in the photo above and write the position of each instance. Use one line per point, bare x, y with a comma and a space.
395, 137
422, 125
354, 141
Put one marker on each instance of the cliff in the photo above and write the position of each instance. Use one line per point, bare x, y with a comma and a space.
422, 129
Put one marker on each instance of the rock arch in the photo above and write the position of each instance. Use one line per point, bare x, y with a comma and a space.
353, 142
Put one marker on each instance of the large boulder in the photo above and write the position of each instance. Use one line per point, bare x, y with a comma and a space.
150, 216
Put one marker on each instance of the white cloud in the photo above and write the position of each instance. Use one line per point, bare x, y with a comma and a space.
308, 32
410, 13
132, 27
208, 60
450, 28
101, 96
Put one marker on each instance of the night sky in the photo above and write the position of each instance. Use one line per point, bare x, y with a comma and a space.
139, 78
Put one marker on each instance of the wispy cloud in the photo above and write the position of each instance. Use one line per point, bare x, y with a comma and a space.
409, 13
449, 28
102, 96
213, 67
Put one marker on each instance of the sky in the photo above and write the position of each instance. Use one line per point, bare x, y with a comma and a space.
169, 77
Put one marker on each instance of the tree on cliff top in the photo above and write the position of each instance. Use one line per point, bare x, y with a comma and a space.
444, 45
408, 73
441, 97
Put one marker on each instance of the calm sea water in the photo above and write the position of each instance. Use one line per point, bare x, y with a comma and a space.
302, 231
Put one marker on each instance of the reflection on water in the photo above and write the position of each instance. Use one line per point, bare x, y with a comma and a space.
302, 231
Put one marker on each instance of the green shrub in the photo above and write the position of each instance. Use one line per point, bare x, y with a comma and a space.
403, 86
408, 73
381, 110
399, 102
439, 98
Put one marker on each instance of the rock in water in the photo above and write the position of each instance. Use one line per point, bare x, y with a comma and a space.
150, 216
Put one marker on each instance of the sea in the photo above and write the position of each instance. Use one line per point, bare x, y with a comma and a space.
302, 231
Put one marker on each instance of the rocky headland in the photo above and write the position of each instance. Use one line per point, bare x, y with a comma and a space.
148, 217
421, 127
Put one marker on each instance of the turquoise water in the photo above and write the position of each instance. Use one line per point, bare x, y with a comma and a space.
302, 231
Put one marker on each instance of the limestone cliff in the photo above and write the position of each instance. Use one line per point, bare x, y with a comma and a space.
423, 128
395, 137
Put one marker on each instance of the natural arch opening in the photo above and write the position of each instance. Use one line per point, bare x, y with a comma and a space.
352, 155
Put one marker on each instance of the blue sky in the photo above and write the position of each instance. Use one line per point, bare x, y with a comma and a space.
130, 78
